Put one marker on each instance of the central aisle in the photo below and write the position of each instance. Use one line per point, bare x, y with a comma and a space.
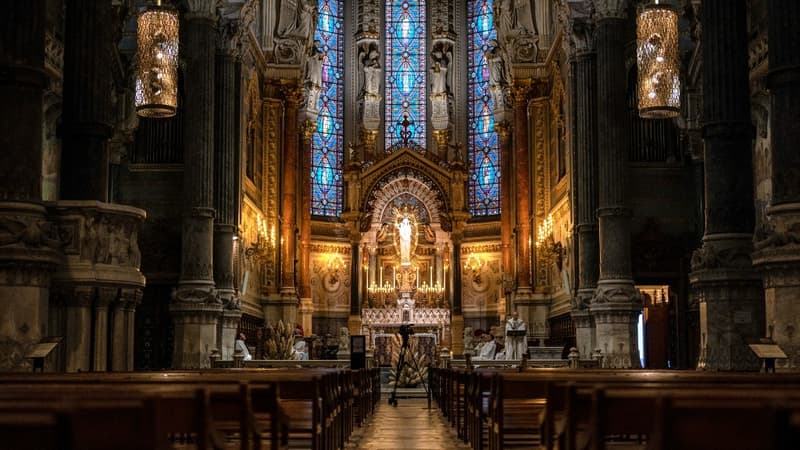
409, 426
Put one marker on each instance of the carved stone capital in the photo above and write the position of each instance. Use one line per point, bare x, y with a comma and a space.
503, 130
615, 293
723, 252
307, 129
581, 27
610, 9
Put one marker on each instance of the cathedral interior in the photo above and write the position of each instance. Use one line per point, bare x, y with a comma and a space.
621, 173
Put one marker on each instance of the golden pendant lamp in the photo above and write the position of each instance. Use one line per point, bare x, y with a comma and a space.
657, 60
157, 71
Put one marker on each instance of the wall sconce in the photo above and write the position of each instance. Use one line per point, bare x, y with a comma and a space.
474, 263
658, 63
548, 249
157, 68
264, 245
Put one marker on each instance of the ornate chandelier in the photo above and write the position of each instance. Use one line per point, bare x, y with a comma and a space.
657, 59
157, 71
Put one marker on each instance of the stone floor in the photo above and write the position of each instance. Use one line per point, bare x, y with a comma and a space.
408, 426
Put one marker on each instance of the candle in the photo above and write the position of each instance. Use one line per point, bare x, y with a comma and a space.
381, 276
394, 276
418, 277
431, 281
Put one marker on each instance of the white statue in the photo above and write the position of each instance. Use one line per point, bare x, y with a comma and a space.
468, 340
370, 59
313, 69
404, 229
298, 19
495, 59
344, 340
504, 18
516, 346
438, 79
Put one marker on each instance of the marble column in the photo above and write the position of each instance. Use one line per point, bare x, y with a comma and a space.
521, 92
616, 305
457, 316
778, 248
293, 96
226, 191
354, 321
729, 290
195, 306
506, 227
27, 255
304, 270
87, 105
584, 70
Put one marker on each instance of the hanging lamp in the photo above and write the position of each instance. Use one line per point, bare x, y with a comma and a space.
657, 59
157, 71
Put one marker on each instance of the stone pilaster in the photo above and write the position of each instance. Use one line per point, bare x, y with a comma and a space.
521, 92
105, 296
78, 330
27, 242
584, 131
729, 291
195, 305
616, 303
87, 105
456, 314
778, 250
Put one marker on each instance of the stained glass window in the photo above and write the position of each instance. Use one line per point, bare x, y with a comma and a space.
326, 145
405, 70
484, 151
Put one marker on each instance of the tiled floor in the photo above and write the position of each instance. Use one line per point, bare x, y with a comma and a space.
408, 426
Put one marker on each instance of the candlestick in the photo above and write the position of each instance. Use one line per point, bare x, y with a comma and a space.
394, 276
417, 277
431, 280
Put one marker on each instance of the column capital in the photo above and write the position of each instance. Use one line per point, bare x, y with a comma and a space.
292, 93
610, 9
521, 90
307, 129
580, 26
503, 130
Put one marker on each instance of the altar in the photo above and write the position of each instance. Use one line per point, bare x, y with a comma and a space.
381, 325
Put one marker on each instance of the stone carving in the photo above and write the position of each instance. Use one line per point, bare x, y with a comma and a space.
611, 9
370, 58
295, 31
28, 232
469, 345
195, 295
202, 8
313, 76
616, 294
499, 76
710, 256
344, 339
580, 26
773, 238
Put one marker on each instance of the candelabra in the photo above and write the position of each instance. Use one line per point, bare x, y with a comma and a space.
264, 244
548, 249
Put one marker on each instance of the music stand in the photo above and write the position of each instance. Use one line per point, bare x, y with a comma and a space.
768, 352
41, 350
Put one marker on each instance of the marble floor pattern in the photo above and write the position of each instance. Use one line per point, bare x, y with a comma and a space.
408, 426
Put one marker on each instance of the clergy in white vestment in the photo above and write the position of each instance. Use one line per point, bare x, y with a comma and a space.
488, 348
240, 344
516, 346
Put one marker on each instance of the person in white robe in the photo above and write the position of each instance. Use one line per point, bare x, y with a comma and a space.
240, 345
487, 350
516, 346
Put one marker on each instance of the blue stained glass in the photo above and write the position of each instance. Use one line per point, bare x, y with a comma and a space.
484, 150
405, 70
326, 145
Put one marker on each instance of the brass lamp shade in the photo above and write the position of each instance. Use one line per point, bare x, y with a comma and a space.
657, 60
157, 72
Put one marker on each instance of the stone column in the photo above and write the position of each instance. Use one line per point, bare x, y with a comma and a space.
354, 321
506, 228
226, 190
457, 316
105, 296
584, 130
27, 255
729, 290
521, 91
78, 333
195, 305
87, 106
778, 254
293, 97
616, 304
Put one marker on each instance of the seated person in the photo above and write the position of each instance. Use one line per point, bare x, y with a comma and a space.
500, 351
487, 350
300, 352
239, 344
